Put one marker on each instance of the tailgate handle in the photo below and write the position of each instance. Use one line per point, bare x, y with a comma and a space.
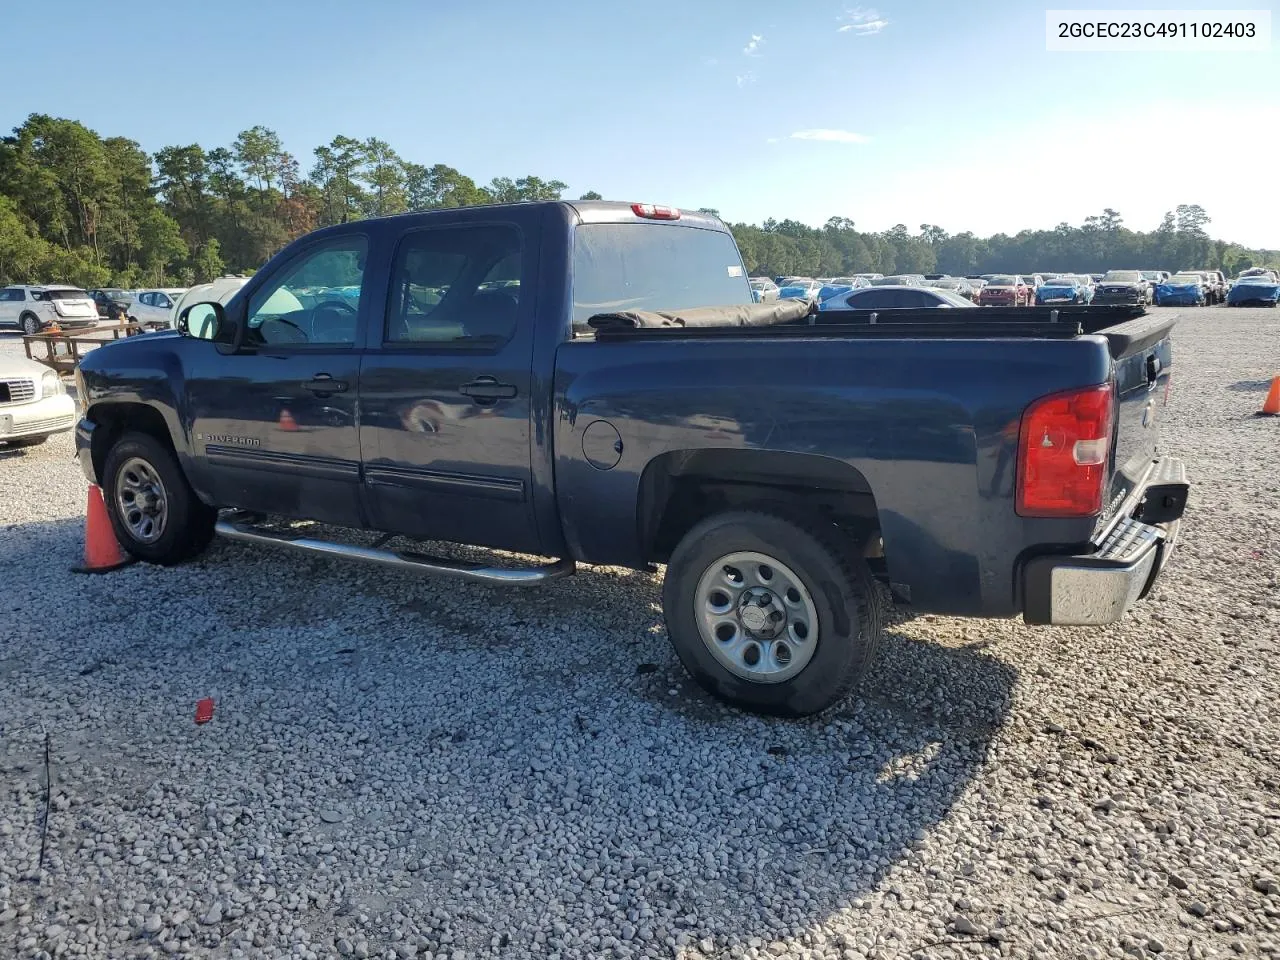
1153, 371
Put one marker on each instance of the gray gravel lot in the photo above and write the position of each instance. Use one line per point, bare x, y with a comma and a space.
412, 768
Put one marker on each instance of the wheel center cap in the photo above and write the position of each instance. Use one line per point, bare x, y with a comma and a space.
760, 612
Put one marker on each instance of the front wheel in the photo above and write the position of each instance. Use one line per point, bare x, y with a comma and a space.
156, 515
772, 614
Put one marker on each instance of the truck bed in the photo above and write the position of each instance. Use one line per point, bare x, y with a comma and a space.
1125, 326
923, 409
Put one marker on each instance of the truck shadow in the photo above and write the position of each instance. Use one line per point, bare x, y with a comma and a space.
508, 733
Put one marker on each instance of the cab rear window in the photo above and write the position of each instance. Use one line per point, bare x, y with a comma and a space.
653, 266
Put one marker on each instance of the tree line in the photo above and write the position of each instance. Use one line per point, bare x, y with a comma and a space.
1102, 242
96, 211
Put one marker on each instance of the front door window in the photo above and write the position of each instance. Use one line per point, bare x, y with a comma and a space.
315, 301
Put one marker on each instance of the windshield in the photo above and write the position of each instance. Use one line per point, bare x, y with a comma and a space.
1062, 281
1184, 278
66, 295
1121, 276
1002, 280
1151, 274
654, 266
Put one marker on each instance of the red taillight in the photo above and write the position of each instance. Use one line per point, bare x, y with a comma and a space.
653, 211
1063, 450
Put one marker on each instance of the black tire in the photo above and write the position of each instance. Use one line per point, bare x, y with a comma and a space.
188, 527
30, 324
849, 607
28, 441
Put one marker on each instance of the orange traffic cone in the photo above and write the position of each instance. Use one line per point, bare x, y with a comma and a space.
102, 551
287, 423
1271, 406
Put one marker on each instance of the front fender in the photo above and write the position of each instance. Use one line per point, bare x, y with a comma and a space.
139, 380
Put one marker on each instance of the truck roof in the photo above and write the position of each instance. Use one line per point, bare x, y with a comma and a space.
585, 211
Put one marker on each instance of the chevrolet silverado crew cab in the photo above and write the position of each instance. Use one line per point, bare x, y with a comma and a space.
592, 383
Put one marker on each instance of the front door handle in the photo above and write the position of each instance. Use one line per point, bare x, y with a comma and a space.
324, 385
487, 390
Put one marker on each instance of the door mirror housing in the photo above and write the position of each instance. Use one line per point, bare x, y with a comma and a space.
203, 321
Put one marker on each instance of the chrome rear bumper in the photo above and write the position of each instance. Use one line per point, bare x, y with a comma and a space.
1099, 587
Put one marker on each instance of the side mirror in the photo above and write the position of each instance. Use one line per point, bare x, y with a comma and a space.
204, 321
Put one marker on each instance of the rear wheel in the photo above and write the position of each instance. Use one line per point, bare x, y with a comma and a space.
155, 514
774, 614
30, 324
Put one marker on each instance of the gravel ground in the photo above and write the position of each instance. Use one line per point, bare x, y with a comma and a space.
402, 767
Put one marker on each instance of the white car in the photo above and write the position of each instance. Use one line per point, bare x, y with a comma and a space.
33, 403
220, 290
31, 309
154, 306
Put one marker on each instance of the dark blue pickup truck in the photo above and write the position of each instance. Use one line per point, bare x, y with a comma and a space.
592, 382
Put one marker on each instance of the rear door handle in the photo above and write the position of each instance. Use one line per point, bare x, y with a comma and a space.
487, 389
323, 385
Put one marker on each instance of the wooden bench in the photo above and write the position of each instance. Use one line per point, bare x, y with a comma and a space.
61, 350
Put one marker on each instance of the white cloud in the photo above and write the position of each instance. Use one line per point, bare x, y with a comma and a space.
861, 22
711, 62
745, 78
772, 140
752, 49
830, 136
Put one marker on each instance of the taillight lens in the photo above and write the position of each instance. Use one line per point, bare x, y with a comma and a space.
1063, 451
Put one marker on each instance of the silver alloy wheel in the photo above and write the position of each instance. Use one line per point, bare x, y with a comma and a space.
141, 500
30, 326
756, 617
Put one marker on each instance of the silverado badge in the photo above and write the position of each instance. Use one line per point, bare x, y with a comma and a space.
225, 438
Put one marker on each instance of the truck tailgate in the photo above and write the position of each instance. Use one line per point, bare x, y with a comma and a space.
1142, 351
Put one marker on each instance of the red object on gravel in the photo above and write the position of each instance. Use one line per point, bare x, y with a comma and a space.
204, 710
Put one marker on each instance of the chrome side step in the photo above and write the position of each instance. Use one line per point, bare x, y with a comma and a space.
239, 526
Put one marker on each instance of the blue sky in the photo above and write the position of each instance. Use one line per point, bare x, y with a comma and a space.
941, 112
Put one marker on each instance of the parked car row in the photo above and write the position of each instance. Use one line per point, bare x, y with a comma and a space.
1115, 287
35, 308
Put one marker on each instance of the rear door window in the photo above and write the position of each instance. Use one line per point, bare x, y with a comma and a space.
456, 287
655, 267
